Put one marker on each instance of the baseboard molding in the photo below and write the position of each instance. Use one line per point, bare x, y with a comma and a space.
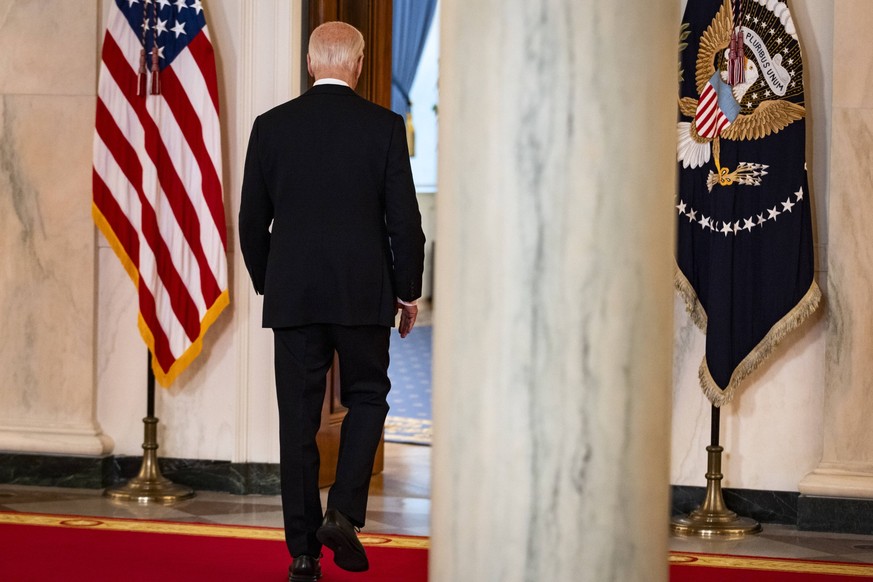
100, 472
54, 470
762, 506
806, 512
835, 514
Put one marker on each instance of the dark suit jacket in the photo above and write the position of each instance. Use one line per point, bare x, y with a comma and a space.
331, 171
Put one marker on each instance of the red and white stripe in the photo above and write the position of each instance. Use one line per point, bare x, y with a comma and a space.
158, 193
709, 119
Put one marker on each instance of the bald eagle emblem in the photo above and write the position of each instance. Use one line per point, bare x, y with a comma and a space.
752, 109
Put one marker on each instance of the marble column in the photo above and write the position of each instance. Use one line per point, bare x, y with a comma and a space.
47, 87
553, 299
846, 469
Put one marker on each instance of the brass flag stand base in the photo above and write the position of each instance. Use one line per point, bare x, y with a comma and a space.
713, 519
149, 486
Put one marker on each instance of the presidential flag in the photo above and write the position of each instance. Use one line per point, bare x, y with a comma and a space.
157, 193
744, 249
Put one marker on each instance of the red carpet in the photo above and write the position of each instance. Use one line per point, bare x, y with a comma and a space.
36, 548
686, 567
49, 547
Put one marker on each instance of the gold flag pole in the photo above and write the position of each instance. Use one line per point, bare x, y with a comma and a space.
713, 519
149, 486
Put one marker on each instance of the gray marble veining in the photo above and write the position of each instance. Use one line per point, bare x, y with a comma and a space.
551, 366
846, 468
46, 233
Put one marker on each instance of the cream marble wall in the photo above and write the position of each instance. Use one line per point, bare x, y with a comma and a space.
847, 463
772, 430
47, 307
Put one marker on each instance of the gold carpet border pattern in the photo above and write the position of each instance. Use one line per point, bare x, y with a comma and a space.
406, 542
194, 529
770, 564
403, 429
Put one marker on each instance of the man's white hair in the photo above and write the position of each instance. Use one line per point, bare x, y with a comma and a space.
335, 46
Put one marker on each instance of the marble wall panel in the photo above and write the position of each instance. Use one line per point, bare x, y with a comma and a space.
48, 47
48, 264
120, 361
814, 20
47, 240
850, 328
853, 55
846, 468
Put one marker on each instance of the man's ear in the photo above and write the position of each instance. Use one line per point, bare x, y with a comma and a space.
309, 66
359, 68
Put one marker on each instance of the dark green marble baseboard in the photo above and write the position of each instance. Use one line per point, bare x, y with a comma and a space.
829, 514
762, 506
806, 512
835, 514
100, 472
55, 470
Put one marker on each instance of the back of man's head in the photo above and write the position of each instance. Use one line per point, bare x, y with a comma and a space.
335, 50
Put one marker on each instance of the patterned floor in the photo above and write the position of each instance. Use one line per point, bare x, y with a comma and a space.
409, 420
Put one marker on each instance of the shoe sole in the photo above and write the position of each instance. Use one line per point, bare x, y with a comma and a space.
303, 578
345, 555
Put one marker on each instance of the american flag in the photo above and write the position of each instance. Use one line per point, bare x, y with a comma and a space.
157, 172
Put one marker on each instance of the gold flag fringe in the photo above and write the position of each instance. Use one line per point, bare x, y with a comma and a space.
223, 300
798, 314
689, 295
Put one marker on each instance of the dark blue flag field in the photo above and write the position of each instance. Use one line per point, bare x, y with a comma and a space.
744, 248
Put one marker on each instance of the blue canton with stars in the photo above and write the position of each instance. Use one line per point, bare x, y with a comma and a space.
174, 22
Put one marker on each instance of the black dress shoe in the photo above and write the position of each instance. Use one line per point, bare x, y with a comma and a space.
338, 533
304, 569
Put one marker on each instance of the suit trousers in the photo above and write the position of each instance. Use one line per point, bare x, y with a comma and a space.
303, 356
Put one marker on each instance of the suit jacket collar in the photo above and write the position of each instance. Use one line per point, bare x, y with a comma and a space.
330, 90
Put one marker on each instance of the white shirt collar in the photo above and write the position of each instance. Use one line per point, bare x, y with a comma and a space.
330, 81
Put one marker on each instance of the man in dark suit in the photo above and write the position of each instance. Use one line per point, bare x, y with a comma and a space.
331, 235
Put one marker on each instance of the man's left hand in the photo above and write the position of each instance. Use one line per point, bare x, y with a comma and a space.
408, 313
